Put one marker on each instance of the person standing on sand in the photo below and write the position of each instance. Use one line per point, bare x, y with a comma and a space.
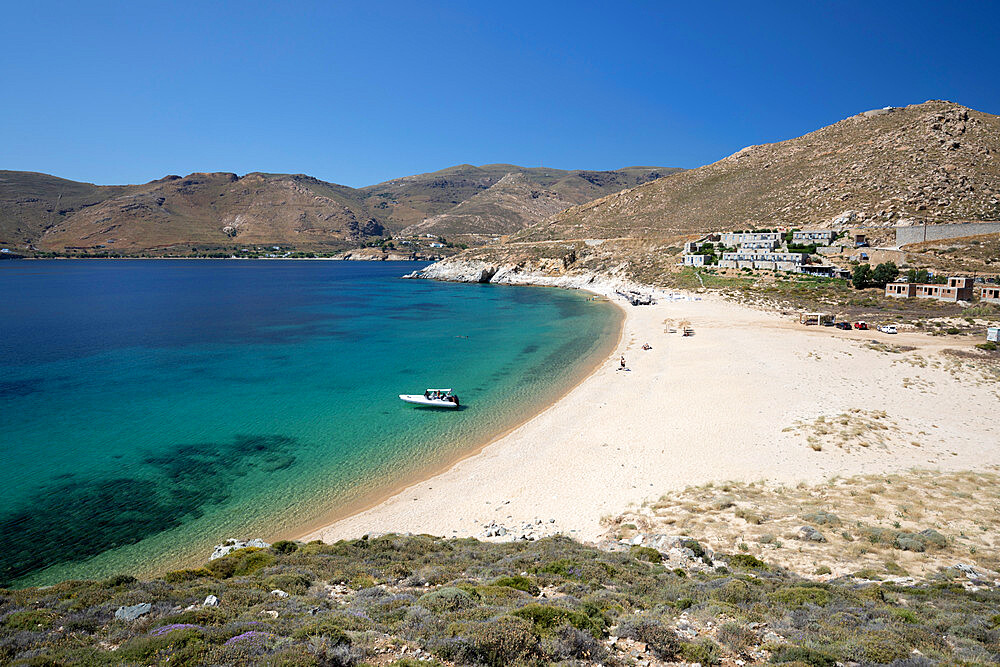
623, 362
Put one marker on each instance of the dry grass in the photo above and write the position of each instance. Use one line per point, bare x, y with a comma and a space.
864, 520
854, 428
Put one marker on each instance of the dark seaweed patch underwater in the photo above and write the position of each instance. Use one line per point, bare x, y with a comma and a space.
14, 388
80, 518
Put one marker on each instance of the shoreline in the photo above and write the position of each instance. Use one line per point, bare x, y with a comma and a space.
691, 411
400, 486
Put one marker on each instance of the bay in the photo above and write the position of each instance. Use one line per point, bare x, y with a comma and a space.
151, 409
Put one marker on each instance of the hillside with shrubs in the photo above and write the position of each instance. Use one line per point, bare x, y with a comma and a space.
419, 600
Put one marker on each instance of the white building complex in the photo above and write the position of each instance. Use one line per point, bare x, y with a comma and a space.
739, 238
817, 236
750, 259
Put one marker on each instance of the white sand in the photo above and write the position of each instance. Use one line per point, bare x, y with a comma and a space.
705, 408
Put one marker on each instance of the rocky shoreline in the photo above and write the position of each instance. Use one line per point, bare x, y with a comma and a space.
477, 271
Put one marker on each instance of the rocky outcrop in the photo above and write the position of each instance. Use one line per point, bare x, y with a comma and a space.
133, 612
473, 271
233, 545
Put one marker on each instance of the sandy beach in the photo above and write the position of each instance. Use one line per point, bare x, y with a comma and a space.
746, 398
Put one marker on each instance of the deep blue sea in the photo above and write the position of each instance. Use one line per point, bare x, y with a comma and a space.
150, 409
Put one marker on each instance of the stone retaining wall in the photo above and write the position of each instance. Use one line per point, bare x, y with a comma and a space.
916, 233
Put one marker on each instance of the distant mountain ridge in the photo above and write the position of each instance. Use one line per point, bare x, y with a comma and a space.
224, 209
932, 162
524, 197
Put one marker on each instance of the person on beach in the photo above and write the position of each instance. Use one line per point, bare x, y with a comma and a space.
623, 362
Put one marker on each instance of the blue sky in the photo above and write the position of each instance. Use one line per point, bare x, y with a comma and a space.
360, 92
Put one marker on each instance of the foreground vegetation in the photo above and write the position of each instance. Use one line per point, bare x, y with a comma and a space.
417, 599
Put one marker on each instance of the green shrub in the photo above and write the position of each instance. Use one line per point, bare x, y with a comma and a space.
119, 580
704, 651
446, 599
694, 546
905, 615
501, 642
873, 593
822, 518
491, 594
517, 582
918, 542
804, 655
735, 592
931, 536
798, 596
883, 649
747, 562
180, 646
740, 639
240, 563
648, 554
244, 598
285, 547
988, 346
562, 567
32, 619
545, 618
909, 544
362, 581
327, 628
661, 640
252, 563
179, 576
684, 603
291, 582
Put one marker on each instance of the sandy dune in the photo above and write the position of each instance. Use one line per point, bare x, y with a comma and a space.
737, 401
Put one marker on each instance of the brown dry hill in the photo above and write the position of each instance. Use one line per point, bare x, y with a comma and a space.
507, 197
223, 209
508, 206
209, 209
933, 162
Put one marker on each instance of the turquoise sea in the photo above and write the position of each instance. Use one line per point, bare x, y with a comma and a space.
151, 409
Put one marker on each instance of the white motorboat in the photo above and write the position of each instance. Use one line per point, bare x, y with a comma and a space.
433, 398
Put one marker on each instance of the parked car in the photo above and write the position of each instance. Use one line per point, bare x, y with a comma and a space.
846, 326
862, 326
888, 328
828, 323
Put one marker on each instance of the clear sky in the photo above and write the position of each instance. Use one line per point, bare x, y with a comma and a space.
360, 92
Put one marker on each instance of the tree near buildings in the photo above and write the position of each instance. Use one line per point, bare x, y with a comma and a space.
884, 273
862, 276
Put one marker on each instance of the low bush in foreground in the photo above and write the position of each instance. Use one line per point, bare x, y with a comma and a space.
418, 600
